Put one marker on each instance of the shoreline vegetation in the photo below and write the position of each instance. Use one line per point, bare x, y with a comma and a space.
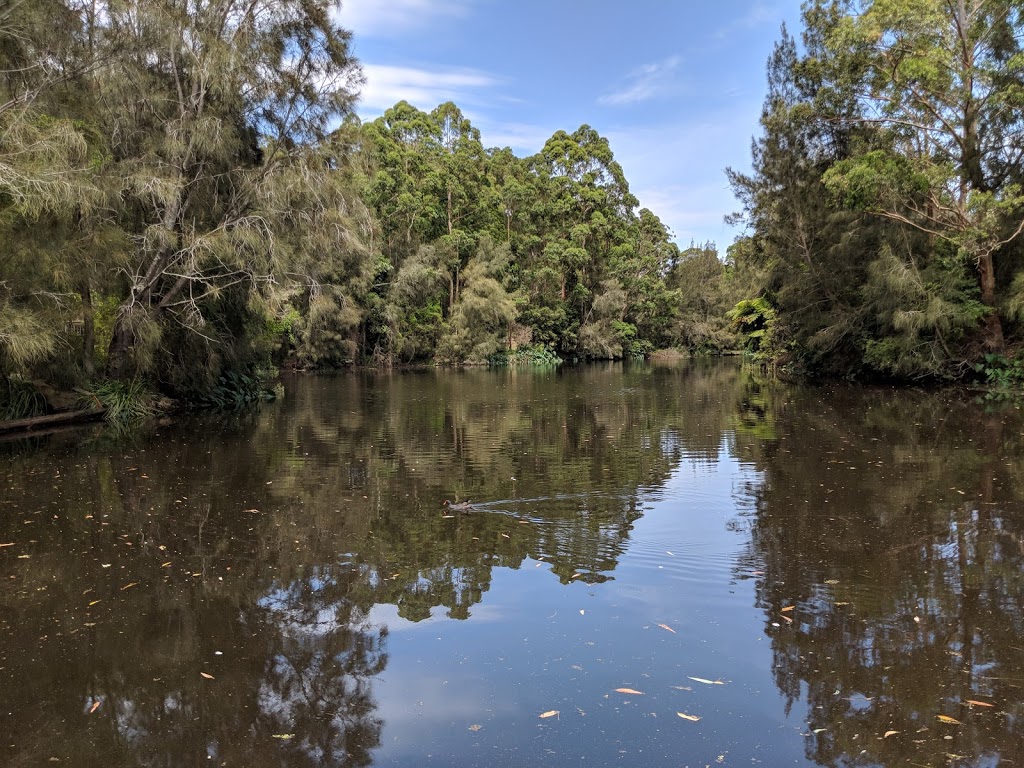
189, 203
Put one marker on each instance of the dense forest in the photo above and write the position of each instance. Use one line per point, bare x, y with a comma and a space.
187, 201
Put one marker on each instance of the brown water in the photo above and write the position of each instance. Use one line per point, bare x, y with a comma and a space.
821, 576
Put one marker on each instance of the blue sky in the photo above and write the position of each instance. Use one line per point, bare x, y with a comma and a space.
676, 86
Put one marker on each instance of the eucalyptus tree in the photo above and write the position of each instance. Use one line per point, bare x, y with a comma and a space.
211, 107
584, 202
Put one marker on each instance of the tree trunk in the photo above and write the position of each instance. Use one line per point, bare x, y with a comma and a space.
993, 325
88, 330
121, 344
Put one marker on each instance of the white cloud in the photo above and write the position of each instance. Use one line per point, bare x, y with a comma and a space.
423, 88
644, 83
391, 18
678, 169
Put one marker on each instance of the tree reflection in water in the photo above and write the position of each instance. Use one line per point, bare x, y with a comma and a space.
891, 526
885, 543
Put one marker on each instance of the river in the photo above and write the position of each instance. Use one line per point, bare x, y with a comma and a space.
668, 565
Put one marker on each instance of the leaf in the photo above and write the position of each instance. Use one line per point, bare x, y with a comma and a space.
668, 628
976, 703
11, 544
129, 586
94, 707
282, 735
691, 718
208, 677
889, 733
787, 609
948, 719
549, 713
630, 690
706, 682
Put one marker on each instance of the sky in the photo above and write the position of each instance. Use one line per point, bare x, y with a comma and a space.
676, 86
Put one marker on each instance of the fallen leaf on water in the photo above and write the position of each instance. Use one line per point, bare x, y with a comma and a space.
831, 581
93, 603
820, 730
976, 703
948, 719
787, 609
475, 727
630, 690
164, 565
691, 718
575, 576
706, 682
94, 707
682, 687
24, 557
889, 733
506, 536
549, 713
786, 618
11, 544
129, 586
282, 735
208, 677
447, 517
668, 628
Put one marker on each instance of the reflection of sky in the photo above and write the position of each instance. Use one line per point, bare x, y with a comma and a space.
536, 645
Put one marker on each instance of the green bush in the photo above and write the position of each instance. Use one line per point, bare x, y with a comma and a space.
20, 400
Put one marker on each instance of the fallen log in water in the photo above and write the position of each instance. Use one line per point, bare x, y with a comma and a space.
51, 420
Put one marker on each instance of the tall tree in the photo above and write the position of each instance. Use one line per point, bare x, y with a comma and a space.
946, 79
210, 105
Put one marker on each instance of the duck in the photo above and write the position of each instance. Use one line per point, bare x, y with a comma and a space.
458, 506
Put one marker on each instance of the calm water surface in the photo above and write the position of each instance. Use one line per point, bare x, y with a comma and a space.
821, 576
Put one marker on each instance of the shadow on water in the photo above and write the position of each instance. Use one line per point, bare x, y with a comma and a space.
210, 593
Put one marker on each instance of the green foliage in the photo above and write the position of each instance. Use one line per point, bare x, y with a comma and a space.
20, 400
1002, 374
885, 203
755, 320
532, 355
235, 391
127, 403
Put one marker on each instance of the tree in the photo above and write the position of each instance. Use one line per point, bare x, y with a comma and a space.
211, 105
946, 79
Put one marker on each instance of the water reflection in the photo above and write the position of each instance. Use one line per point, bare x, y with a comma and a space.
889, 535
228, 590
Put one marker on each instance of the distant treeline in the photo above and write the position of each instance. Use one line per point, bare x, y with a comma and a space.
186, 198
